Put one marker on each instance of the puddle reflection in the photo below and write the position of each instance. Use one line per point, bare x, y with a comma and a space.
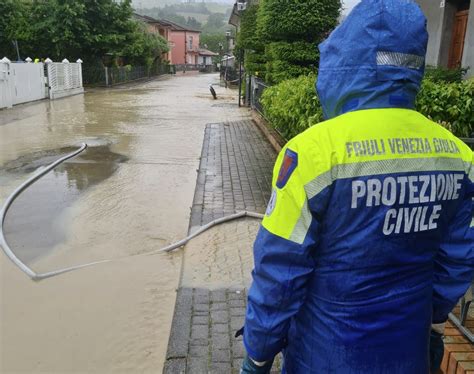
35, 222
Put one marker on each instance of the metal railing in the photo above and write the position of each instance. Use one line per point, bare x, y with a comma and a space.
460, 321
109, 76
93, 75
257, 87
229, 74
190, 67
122, 74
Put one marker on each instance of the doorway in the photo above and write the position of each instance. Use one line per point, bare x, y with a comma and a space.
458, 34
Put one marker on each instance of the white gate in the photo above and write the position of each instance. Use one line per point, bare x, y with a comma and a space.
25, 82
6, 100
28, 82
64, 79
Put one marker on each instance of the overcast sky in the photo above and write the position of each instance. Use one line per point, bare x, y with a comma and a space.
349, 4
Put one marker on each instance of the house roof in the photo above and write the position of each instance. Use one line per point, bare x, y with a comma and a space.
151, 20
164, 23
234, 19
175, 27
235, 15
206, 52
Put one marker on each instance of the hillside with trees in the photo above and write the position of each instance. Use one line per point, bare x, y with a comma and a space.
95, 31
208, 17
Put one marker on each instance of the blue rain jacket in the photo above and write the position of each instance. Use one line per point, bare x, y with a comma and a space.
368, 235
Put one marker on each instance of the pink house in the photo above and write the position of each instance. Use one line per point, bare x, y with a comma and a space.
158, 28
184, 43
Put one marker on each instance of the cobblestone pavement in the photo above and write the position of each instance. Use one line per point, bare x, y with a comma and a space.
235, 172
201, 338
234, 175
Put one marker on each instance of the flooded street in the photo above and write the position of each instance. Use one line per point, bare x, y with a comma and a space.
130, 192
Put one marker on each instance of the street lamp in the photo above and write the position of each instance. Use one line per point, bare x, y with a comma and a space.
228, 37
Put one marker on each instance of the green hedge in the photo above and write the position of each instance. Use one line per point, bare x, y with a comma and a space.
450, 104
278, 71
280, 37
290, 60
295, 20
247, 38
255, 64
249, 41
292, 106
440, 74
297, 52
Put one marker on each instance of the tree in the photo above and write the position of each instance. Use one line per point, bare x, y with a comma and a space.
144, 48
86, 29
60, 29
215, 21
292, 30
249, 40
193, 23
214, 42
13, 26
308, 20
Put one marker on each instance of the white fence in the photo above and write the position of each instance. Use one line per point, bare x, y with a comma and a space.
21, 83
6, 99
64, 79
24, 82
28, 82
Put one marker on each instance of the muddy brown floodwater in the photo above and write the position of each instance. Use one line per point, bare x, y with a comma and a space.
129, 193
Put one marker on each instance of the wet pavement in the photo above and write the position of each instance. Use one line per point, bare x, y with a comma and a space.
129, 193
52, 196
234, 174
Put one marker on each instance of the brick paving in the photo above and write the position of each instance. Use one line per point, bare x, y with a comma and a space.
202, 336
459, 352
235, 172
234, 175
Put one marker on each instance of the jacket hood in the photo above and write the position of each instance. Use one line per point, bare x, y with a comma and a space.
374, 59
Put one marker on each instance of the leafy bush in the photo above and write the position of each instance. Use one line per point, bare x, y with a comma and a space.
292, 106
280, 36
290, 60
307, 20
292, 30
248, 40
278, 71
450, 104
255, 64
297, 52
439, 74
247, 37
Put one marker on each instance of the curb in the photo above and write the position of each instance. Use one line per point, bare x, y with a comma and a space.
275, 139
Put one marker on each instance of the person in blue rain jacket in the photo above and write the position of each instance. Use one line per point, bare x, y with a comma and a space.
367, 240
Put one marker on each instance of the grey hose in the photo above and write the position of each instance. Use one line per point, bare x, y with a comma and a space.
37, 277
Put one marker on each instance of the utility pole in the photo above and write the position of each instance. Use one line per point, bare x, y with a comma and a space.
15, 44
185, 50
241, 58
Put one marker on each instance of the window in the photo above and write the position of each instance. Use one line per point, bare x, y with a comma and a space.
190, 43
